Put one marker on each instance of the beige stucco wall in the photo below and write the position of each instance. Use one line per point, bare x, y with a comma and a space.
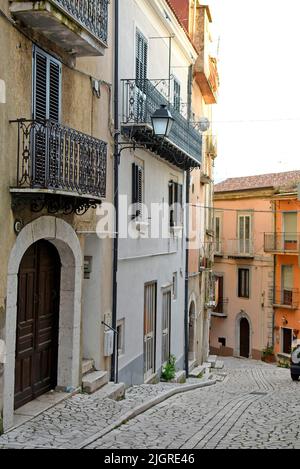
258, 307
81, 110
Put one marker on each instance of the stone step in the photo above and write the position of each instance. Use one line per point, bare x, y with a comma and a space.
112, 391
93, 381
219, 365
87, 365
198, 371
192, 364
212, 359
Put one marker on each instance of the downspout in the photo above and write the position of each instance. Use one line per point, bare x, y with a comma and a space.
114, 362
274, 207
187, 199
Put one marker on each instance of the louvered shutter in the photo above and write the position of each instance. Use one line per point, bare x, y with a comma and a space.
141, 56
40, 86
54, 90
137, 189
46, 86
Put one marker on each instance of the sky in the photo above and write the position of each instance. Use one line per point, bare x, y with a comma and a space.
257, 118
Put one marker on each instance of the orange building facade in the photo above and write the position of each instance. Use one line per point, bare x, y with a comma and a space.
283, 243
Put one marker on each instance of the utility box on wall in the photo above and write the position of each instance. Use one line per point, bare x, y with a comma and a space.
108, 343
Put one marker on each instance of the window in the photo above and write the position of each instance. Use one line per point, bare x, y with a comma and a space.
137, 189
290, 230
175, 285
176, 95
287, 283
217, 235
87, 267
286, 340
46, 86
222, 341
175, 203
243, 283
219, 293
121, 337
244, 230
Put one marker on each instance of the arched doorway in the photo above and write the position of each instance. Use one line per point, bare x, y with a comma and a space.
244, 338
37, 322
192, 331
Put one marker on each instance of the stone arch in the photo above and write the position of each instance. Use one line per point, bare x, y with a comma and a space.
64, 238
242, 315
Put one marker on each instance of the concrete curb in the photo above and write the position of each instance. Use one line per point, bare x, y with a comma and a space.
140, 409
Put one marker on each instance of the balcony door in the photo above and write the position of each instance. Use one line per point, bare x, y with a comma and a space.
45, 106
290, 231
287, 283
150, 307
244, 230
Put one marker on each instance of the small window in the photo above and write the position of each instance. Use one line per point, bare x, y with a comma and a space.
243, 283
175, 203
177, 98
121, 337
175, 285
87, 267
222, 341
217, 235
286, 340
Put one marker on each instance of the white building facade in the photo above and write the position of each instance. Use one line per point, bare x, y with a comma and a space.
155, 65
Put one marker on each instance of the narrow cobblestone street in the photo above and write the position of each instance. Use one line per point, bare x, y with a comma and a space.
256, 406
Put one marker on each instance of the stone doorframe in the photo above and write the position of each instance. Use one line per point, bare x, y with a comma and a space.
241, 315
64, 238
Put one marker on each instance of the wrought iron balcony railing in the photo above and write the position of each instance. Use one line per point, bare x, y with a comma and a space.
57, 158
221, 308
282, 242
141, 98
286, 298
234, 247
91, 14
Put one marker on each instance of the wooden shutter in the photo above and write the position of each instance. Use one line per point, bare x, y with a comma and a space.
54, 90
40, 86
46, 86
137, 188
141, 56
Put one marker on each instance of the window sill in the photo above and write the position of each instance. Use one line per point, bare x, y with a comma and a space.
176, 230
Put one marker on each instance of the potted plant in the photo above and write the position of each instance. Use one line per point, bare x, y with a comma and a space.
268, 354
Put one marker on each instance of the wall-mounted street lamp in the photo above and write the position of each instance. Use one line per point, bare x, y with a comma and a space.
162, 122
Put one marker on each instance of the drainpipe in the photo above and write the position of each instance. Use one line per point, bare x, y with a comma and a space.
114, 361
186, 287
274, 208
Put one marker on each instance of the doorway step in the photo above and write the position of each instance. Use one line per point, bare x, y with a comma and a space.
92, 380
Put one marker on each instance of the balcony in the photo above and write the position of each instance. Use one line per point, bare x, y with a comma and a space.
141, 98
221, 310
58, 168
235, 248
207, 77
211, 146
286, 298
282, 243
80, 27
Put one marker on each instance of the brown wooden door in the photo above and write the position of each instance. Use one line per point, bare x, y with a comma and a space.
37, 322
244, 338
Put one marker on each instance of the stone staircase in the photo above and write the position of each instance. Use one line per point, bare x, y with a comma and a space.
92, 380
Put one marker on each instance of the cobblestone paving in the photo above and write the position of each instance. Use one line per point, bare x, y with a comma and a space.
70, 423
257, 406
